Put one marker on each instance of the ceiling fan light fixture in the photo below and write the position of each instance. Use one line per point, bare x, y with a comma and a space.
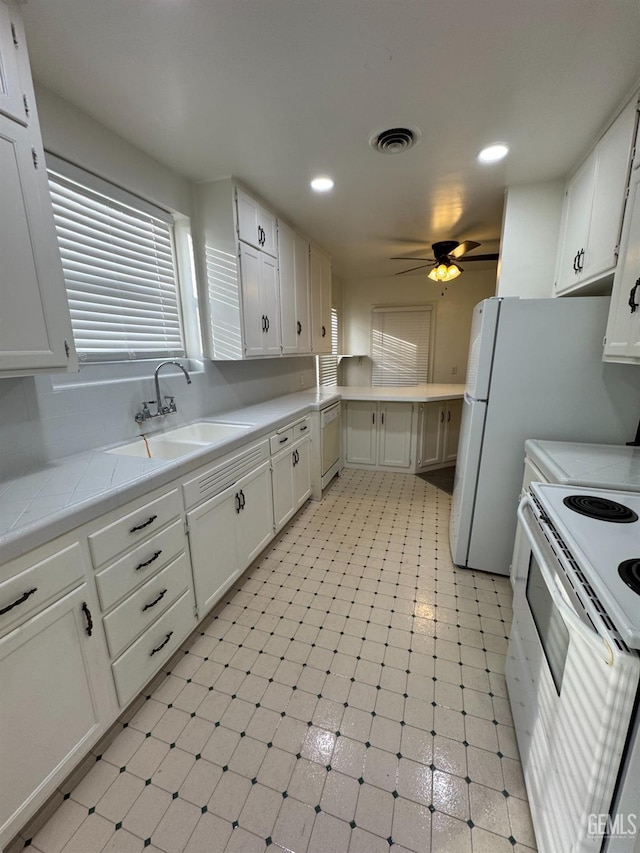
444, 272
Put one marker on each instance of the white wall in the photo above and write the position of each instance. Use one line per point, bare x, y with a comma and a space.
529, 242
452, 318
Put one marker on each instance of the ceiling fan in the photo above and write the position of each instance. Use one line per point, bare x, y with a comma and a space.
444, 266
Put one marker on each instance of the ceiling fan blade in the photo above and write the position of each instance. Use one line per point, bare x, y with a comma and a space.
412, 259
491, 256
421, 267
463, 248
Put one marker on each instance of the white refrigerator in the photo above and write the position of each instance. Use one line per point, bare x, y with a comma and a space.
535, 370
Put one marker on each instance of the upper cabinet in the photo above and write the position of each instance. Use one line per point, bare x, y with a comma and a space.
35, 328
622, 340
255, 277
593, 208
320, 270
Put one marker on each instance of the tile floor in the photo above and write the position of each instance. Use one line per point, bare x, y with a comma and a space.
346, 697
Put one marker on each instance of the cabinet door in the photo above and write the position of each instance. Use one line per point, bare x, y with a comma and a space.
361, 433
248, 211
303, 308
394, 435
51, 673
575, 225
452, 430
212, 541
270, 304
286, 262
269, 235
35, 329
302, 473
320, 271
255, 520
431, 433
622, 341
11, 41
283, 488
612, 168
253, 321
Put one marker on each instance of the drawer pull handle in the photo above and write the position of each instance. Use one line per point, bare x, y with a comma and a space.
162, 644
153, 603
145, 524
20, 601
282, 440
87, 613
302, 429
149, 561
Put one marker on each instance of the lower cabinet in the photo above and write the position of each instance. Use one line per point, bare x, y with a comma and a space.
378, 435
56, 695
438, 433
291, 481
227, 532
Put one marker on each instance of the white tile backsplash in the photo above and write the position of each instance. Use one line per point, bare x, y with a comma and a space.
49, 417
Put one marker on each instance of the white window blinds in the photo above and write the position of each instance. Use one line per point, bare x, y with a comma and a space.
400, 345
118, 262
327, 365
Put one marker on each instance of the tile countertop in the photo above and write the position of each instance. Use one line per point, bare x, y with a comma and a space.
604, 466
53, 499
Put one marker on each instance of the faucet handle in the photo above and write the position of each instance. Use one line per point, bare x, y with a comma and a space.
145, 414
172, 406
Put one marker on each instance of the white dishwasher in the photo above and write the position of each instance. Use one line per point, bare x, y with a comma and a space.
330, 431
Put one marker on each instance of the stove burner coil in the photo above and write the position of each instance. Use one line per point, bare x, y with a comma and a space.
600, 508
629, 571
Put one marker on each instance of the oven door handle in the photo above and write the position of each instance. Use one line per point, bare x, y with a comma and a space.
570, 618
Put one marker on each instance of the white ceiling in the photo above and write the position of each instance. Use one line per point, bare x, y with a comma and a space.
277, 91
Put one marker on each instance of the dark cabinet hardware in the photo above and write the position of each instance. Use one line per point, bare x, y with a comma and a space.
382, 417
324, 331
442, 417
263, 324
155, 601
238, 504
580, 260
296, 458
303, 428
149, 561
449, 416
89, 618
373, 417
19, 601
144, 524
299, 327
576, 269
243, 499
284, 440
632, 297
162, 644
266, 317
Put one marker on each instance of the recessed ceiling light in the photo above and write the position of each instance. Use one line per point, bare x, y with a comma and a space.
322, 184
493, 153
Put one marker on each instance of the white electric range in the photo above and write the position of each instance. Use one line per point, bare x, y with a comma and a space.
573, 668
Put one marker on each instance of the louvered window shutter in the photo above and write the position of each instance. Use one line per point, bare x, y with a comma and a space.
327, 365
400, 345
118, 261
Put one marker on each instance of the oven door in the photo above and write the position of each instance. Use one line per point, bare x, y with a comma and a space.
572, 685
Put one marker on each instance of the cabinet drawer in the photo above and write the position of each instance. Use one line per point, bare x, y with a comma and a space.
31, 590
138, 664
134, 527
302, 428
281, 440
136, 567
142, 608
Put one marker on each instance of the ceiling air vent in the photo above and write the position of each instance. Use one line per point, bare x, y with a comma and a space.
395, 140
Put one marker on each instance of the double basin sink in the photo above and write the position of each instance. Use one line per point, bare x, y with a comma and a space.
180, 441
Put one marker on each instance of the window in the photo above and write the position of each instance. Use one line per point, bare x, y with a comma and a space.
327, 365
400, 345
119, 268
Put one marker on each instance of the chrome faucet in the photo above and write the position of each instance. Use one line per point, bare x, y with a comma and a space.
161, 409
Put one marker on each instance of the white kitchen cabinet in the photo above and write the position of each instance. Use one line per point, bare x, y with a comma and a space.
257, 226
260, 302
594, 204
378, 435
622, 339
227, 532
291, 479
35, 328
438, 433
320, 272
293, 255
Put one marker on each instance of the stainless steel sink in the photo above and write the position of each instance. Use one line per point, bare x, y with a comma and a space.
180, 441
